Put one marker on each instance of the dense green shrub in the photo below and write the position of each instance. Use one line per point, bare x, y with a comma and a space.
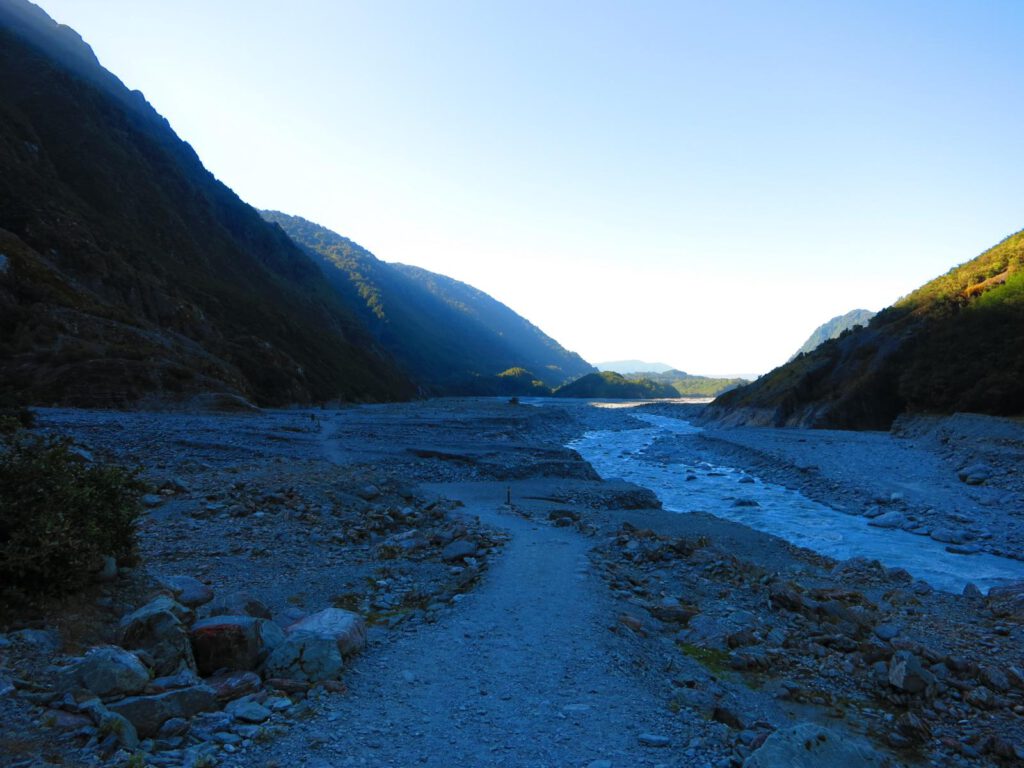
60, 515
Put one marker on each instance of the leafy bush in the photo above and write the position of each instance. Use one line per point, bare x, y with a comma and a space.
13, 414
59, 516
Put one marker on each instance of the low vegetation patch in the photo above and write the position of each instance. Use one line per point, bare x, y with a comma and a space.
13, 414
60, 516
712, 659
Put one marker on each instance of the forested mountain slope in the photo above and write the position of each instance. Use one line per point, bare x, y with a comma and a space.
449, 336
955, 344
834, 328
128, 270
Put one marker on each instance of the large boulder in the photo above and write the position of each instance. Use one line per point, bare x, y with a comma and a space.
812, 746
316, 646
305, 657
710, 631
908, 674
148, 713
459, 550
233, 642
107, 671
158, 629
975, 474
112, 723
1008, 600
347, 629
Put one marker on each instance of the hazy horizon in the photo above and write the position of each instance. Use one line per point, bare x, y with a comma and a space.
701, 185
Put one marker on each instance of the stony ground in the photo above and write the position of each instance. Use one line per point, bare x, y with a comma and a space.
586, 627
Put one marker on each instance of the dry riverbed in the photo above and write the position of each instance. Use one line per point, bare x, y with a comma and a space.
520, 611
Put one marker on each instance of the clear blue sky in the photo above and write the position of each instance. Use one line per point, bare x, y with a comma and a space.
700, 183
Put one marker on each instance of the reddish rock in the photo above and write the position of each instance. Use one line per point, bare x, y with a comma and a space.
233, 642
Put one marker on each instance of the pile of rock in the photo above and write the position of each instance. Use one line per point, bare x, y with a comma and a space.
858, 640
176, 686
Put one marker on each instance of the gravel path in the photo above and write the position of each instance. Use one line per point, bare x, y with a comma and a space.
523, 671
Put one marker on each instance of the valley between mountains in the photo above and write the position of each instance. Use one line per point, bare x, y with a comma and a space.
269, 500
578, 625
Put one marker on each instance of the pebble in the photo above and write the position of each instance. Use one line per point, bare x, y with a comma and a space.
249, 712
886, 631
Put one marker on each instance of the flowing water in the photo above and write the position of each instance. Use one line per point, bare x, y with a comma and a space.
637, 456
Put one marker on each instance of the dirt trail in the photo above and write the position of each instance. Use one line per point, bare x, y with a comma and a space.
523, 671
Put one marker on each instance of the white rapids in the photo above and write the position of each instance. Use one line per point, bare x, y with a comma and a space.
731, 494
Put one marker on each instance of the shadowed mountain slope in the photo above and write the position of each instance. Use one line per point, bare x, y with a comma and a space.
449, 336
955, 344
128, 270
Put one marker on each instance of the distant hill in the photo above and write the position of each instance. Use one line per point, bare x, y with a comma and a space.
448, 336
955, 344
513, 382
833, 328
634, 366
611, 385
687, 385
127, 269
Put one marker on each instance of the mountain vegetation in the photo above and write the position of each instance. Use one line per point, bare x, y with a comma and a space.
448, 336
515, 382
955, 344
612, 386
127, 269
689, 385
834, 328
